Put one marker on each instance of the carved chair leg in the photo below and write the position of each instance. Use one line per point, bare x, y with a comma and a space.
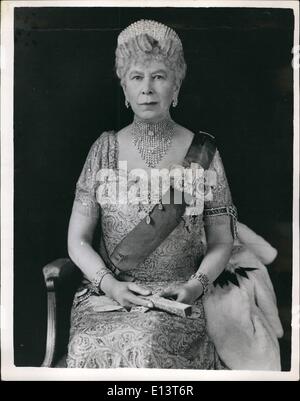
51, 326
62, 278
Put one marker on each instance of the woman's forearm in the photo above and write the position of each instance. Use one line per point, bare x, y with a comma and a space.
85, 257
215, 260
90, 262
80, 238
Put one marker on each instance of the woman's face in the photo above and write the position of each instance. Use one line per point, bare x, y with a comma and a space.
150, 88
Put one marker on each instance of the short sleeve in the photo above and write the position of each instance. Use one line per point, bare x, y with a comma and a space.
85, 201
220, 205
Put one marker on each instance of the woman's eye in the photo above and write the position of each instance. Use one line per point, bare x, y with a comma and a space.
137, 77
158, 77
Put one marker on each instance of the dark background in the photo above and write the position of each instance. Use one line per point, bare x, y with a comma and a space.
239, 88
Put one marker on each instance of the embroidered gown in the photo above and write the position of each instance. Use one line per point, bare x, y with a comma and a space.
103, 336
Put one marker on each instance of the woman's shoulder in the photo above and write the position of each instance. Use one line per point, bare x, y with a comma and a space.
110, 136
103, 149
104, 137
123, 132
189, 134
184, 133
104, 141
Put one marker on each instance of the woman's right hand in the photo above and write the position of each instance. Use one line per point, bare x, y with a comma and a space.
127, 294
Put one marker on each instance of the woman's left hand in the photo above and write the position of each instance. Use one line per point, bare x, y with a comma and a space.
187, 293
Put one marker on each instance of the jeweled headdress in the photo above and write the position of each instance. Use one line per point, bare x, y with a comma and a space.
155, 29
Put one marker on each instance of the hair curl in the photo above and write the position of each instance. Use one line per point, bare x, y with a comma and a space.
144, 48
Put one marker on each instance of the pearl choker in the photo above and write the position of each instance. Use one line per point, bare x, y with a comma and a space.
152, 139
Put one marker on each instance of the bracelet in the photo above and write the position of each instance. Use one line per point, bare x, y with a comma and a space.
96, 282
203, 279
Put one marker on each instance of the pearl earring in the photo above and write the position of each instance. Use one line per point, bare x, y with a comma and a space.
175, 102
126, 103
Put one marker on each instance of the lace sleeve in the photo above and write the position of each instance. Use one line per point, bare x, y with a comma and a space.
217, 210
85, 201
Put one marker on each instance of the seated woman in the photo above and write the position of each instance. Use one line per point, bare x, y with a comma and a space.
173, 236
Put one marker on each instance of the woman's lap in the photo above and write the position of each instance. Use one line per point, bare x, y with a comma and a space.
152, 339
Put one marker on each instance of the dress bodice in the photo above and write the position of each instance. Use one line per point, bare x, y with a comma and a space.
179, 255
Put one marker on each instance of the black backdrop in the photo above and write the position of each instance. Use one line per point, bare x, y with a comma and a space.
239, 88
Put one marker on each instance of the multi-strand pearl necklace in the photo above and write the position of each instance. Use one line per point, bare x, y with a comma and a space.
152, 139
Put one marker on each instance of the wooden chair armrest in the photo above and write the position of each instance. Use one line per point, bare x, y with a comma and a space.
61, 273
59, 270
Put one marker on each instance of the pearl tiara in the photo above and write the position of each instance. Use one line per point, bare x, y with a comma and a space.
153, 28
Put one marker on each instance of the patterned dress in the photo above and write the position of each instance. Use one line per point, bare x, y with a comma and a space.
104, 335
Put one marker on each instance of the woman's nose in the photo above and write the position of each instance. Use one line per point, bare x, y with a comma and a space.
147, 91
147, 87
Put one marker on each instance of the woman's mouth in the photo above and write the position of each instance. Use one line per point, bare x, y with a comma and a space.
148, 104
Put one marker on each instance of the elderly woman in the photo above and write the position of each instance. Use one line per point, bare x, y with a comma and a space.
160, 239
